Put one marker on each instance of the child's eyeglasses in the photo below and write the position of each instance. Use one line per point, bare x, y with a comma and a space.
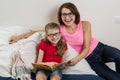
55, 34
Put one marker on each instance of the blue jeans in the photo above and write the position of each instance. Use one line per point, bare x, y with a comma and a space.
75, 77
65, 77
102, 54
80, 77
5, 78
50, 73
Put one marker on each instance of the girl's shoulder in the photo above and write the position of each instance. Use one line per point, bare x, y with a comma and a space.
42, 41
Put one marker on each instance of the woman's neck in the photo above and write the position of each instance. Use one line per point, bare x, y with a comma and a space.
71, 29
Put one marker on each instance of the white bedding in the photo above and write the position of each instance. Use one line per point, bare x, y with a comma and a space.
27, 48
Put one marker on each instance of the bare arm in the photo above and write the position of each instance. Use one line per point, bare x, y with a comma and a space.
15, 38
87, 39
64, 57
40, 56
40, 59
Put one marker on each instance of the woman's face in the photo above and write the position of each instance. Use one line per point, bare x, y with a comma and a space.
67, 17
53, 35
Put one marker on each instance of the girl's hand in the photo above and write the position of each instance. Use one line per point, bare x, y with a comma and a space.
51, 63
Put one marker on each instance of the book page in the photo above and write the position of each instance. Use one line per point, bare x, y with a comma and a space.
46, 67
42, 66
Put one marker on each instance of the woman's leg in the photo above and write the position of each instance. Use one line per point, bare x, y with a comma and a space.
81, 77
104, 71
101, 54
112, 54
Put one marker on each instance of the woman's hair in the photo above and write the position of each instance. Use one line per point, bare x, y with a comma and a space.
61, 45
72, 8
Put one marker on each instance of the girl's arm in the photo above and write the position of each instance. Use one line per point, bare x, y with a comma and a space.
87, 40
15, 38
40, 59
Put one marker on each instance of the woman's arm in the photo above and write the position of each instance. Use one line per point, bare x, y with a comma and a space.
64, 57
15, 38
87, 40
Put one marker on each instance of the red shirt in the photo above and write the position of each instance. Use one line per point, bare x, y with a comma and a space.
49, 49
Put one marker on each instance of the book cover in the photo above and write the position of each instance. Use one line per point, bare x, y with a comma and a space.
49, 68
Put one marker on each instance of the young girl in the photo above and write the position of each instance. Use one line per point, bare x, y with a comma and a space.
52, 50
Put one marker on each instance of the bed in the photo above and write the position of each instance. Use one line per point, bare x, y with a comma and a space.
27, 49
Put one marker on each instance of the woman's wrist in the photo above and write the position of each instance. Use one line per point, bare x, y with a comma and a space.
20, 37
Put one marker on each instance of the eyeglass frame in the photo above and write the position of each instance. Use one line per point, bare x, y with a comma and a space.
70, 14
52, 35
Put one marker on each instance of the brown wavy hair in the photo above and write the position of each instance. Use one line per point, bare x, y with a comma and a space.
72, 8
61, 45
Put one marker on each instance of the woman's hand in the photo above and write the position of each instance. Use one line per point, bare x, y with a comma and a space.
73, 61
13, 39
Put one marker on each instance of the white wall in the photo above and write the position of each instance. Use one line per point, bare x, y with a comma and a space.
36, 13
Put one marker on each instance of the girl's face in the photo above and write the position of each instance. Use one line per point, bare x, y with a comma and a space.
53, 35
67, 17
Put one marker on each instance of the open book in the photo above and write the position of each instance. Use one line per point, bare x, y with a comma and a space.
46, 67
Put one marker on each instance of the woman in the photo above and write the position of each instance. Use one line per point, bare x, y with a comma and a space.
78, 34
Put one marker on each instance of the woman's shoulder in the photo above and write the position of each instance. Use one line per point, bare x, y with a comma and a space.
86, 23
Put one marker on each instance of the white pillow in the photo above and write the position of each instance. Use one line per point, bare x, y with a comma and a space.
4, 36
7, 31
5, 59
27, 48
81, 67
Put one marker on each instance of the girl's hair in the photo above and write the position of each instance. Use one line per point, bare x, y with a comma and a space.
72, 8
61, 45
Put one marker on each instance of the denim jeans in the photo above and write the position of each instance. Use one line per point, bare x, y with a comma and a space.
81, 77
76, 77
49, 73
65, 77
102, 54
5, 78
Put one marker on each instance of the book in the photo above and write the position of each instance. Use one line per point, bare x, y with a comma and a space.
49, 68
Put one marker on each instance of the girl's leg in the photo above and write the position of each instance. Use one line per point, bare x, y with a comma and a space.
56, 75
40, 76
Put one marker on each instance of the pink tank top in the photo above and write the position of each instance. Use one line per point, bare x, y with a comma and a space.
76, 39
